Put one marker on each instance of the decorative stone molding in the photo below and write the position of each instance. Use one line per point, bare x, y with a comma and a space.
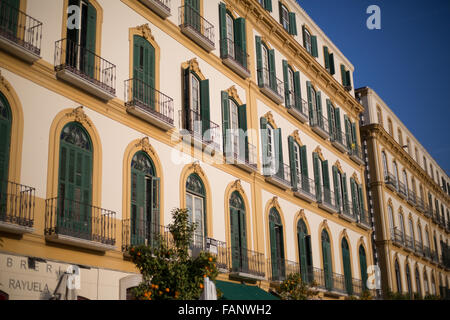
318, 150
237, 186
194, 66
270, 120
4, 82
296, 136
337, 164
145, 31
232, 93
144, 145
355, 177
80, 116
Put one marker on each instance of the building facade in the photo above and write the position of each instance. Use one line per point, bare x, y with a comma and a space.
115, 112
410, 197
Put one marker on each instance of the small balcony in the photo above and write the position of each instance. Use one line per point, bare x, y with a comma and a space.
160, 7
356, 154
329, 281
195, 27
347, 212
339, 140
243, 157
270, 85
397, 237
409, 243
319, 124
390, 181
305, 189
280, 269
412, 199
420, 206
140, 232
364, 219
428, 211
17, 203
217, 248
402, 191
298, 108
20, 34
246, 264
234, 57
426, 252
197, 133
79, 224
85, 70
148, 104
418, 248
434, 257
326, 200
279, 175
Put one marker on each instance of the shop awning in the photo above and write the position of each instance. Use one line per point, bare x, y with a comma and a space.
237, 291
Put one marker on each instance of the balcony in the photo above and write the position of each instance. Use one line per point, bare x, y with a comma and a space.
246, 159
390, 181
397, 237
79, 224
409, 243
330, 282
234, 57
402, 191
319, 124
356, 154
139, 232
197, 133
305, 189
148, 104
279, 178
298, 108
364, 220
17, 204
280, 269
339, 140
327, 200
426, 252
418, 248
412, 199
195, 27
85, 70
434, 257
160, 7
270, 85
435, 217
348, 212
428, 211
246, 264
20, 34
215, 247
420, 206
359, 287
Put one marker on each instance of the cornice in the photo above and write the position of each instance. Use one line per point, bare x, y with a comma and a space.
378, 132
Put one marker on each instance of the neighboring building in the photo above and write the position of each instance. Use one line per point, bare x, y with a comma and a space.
107, 127
411, 198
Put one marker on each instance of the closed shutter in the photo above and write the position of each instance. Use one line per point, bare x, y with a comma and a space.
337, 119
156, 200
310, 106
353, 126
138, 218
144, 71
4, 161
354, 199
272, 72
187, 99
10, 16
326, 57
332, 69
292, 24
240, 39
243, 137
319, 109
298, 92
279, 152
314, 51
292, 164
304, 36
264, 148
361, 203
235, 245
326, 264
347, 132
226, 125
273, 248
309, 261
347, 269
343, 76
304, 169
286, 84
317, 178
336, 183
243, 239
204, 107
223, 30
330, 115
363, 267
326, 181
268, 5
344, 192
259, 62
302, 254
90, 42
348, 79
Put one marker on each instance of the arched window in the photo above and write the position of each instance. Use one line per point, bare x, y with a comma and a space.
419, 232
196, 205
276, 245
408, 281
326, 259
347, 266
433, 285
425, 281
5, 140
402, 226
398, 279
363, 266
305, 252
390, 127
391, 219
75, 182
396, 174
405, 182
144, 200
385, 168
238, 233
411, 231
418, 286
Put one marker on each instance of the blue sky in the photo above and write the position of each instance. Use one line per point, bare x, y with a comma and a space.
407, 62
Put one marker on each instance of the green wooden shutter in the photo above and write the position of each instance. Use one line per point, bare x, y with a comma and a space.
294, 178
310, 106
234, 230
272, 71
319, 109
298, 92
240, 39
223, 30
5, 131
347, 269
304, 36
353, 126
72, 40
259, 62
309, 261
10, 16
138, 208
302, 254
314, 51
156, 200
347, 132
264, 149
268, 5
286, 83
361, 203
348, 79
326, 181
330, 116
337, 119
243, 138
344, 192
292, 24
144, 71
332, 68
204, 107
243, 239
187, 98
343, 76
326, 264
317, 178
226, 125
336, 183
273, 246
90, 42
354, 200
326, 57
363, 267
279, 151
304, 169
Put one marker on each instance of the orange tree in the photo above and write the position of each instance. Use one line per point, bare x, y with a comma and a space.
167, 268
293, 288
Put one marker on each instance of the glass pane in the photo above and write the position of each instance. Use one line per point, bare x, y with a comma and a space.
189, 205
74, 134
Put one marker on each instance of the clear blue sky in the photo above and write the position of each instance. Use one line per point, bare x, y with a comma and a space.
407, 62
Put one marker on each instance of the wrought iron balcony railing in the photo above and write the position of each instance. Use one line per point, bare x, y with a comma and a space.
339, 140
347, 210
152, 103
397, 236
402, 190
329, 281
412, 199
19, 28
319, 124
426, 252
280, 269
326, 199
356, 153
297, 107
196, 27
420, 204
418, 247
246, 263
280, 173
231, 50
305, 188
193, 123
390, 180
87, 65
17, 203
271, 85
428, 211
409, 242
137, 232
80, 220
161, 7
243, 153
364, 219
